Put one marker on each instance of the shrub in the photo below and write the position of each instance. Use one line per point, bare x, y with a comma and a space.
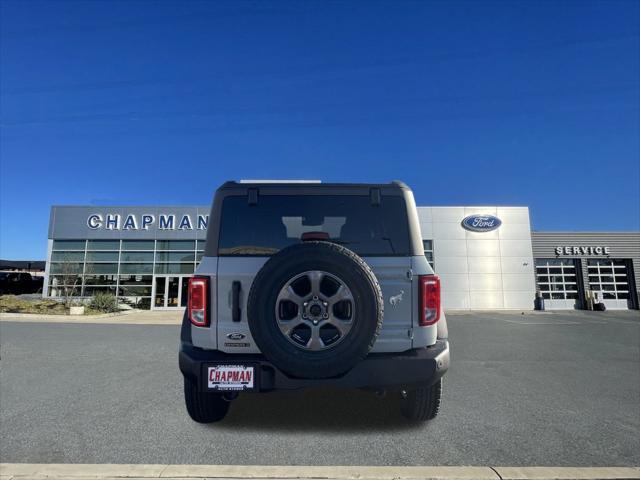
104, 302
13, 304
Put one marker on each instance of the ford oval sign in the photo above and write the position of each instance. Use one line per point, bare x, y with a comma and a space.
481, 223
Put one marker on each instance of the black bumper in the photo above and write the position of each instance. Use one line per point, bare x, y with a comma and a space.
418, 367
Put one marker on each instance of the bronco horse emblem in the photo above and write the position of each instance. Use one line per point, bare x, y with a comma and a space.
396, 299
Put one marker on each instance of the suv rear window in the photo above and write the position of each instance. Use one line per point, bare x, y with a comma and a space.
278, 221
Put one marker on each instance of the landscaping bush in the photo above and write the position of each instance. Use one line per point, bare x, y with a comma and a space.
104, 302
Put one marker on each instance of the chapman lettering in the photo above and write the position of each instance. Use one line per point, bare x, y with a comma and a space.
230, 376
94, 221
114, 221
166, 222
146, 221
185, 223
130, 223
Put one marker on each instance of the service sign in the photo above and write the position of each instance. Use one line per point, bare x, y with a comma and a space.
583, 250
481, 223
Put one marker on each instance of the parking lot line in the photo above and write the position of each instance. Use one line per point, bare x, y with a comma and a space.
539, 323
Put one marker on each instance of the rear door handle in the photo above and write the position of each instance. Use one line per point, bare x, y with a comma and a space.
236, 286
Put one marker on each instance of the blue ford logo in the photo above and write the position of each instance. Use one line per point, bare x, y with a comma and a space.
481, 223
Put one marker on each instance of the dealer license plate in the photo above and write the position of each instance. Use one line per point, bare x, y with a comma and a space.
231, 377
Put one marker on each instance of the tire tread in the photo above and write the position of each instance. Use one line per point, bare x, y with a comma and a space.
423, 403
204, 407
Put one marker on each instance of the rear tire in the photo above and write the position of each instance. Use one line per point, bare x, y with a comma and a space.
204, 407
423, 403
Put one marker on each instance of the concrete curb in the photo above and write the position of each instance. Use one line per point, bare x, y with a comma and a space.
127, 317
27, 316
24, 471
567, 473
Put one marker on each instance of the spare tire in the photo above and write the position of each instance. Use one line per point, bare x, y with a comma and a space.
315, 309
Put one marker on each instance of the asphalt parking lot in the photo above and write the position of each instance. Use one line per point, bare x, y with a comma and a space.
534, 389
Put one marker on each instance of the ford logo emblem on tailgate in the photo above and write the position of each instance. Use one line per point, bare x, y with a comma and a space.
235, 336
481, 223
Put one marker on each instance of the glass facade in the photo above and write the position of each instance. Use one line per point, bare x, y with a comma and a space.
125, 268
428, 252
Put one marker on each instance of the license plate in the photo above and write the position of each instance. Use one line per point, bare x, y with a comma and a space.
231, 377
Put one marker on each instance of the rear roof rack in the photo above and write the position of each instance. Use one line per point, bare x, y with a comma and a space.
307, 187
248, 183
279, 181
311, 187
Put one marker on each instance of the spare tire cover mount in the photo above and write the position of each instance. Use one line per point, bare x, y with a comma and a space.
315, 309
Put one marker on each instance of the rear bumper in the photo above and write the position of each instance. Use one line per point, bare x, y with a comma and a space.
419, 367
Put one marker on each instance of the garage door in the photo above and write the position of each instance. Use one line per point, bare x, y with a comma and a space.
557, 281
610, 279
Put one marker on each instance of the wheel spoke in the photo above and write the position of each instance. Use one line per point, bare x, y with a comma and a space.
286, 326
315, 277
315, 342
343, 326
341, 294
289, 294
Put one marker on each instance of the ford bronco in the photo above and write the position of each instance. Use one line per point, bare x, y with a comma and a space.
305, 284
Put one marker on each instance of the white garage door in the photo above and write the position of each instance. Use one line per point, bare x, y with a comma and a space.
557, 282
610, 280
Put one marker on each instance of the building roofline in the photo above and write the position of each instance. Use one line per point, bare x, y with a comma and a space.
132, 206
481, 205
590, 232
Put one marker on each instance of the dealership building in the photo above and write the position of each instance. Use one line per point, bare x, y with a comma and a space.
487, 257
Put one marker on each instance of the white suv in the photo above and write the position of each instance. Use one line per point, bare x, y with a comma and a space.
310, 284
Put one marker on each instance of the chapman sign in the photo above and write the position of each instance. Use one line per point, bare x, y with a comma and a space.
582, 250
114, 221
481, 223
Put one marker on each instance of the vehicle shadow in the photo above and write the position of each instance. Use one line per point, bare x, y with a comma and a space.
319, 410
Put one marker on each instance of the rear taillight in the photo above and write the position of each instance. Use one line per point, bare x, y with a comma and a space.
198, 289
429, 300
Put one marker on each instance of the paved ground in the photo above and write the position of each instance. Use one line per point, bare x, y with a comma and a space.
535, 389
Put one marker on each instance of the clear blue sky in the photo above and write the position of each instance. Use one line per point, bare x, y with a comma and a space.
509, 103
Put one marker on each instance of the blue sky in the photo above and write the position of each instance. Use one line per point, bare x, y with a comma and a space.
508, 103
